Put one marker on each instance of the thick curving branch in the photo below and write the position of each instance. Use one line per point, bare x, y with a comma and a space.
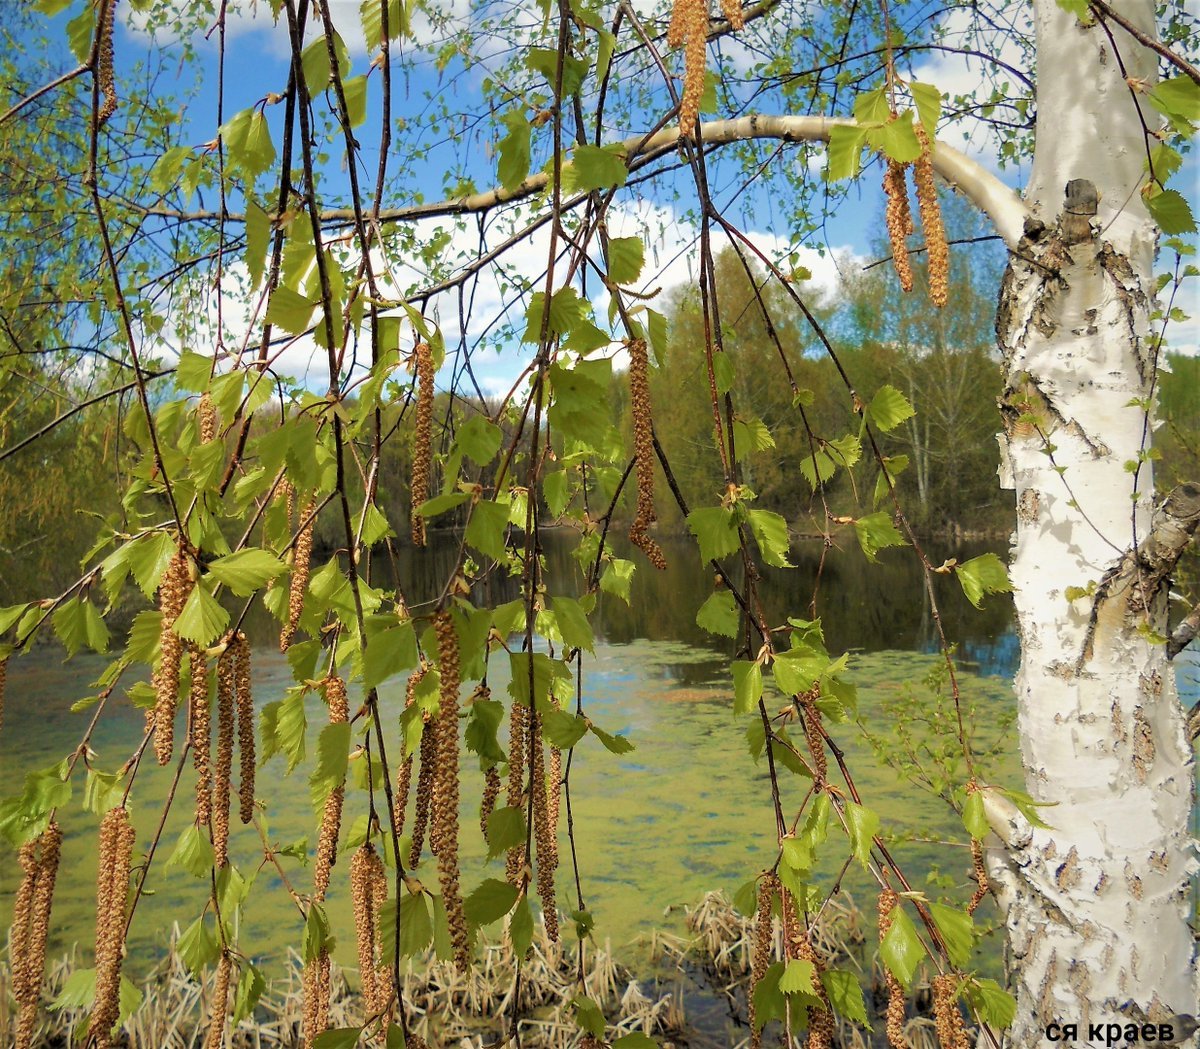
987, 192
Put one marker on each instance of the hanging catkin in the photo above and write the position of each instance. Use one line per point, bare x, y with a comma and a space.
491, 791
314, 982
404, 773
220, 1003
201, 733
368, 893
798, 944
734, 15
112, 886
643, 450
445, 788
104, 61
206, 412
517, 738
425, 777
888, 900
813, 734
947, 1018
931, 220
899, 220
245, 724
689, 28
977, 866
423, 439
543, 834
3, 681
38, 859
298, 585
760, 960
331, 819
173, 592
554, 798
223, 770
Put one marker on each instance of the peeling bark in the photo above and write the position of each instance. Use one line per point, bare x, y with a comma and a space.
1097, 906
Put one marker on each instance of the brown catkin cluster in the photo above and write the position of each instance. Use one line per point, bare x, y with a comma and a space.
104, 61
38, 859
425, 777
491, 792
423, 438
947, 1018
3, 681
760, 960
689, 29
899, 220
220, 1003
813, 734
206, 412
298, 586
643, 451
543, 833
368, 893
112, 886
517, 733
443, 836
404, 773
554, 777
734, 15
331, 819
798, 945
201, 733
931, 220
888, 900
980, 873
173, 592
223, 769
314, 982
244, 701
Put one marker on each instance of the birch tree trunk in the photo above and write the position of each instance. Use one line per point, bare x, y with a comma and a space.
1097, 905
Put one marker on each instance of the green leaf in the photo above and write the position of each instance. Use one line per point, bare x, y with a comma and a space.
314, 62
747, 685
889, 408
563, 730
845, 150
719, 614
872, 107
338, 1038
555, 489
991, 1002
505, 830
617, 578
487, 527
289, 310
198, 946
588, 1016
250, 988
78, 991
614, 744
316, 933
593, 168
355, 91
750, 434
724, 374
625, 259
876, 532
246, 571
958, 932
573, 625
1178, 97
863, 824
333, 746
514, 149
846, 996
929, 105
770, 531
77, 623
566, 310
973, 816
520, 927
901, 950
479, 439
193, 852
490, 902
388, 653
635, 1040
797, 978
544, 60
769, 1001
1171, 212
203, 619
715, 529
981, 575
247, 139
897, 139
416, 925
282, 727
258, 231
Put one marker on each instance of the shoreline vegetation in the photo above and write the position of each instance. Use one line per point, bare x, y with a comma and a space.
693, 993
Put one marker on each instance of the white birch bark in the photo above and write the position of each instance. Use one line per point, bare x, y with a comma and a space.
1097, 906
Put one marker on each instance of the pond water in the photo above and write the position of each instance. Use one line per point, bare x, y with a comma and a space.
685, 812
